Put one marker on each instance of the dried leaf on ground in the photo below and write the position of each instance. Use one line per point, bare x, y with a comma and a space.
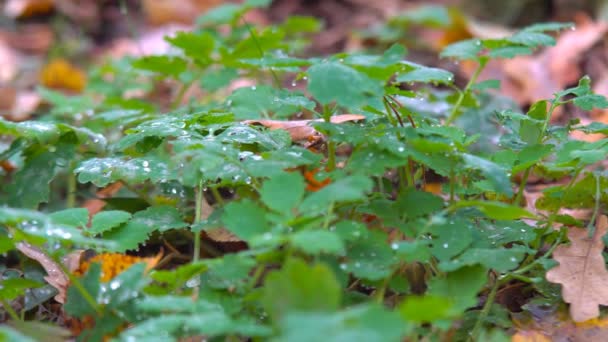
112, 264
300, 129
9, 63
31, 38
55, 275
27, 8
555, 327
60, 74
159, 12
582, 271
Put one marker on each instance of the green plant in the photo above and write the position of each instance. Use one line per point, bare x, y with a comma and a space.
369, 256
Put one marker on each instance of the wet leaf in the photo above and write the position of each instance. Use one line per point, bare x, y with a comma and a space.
582, 271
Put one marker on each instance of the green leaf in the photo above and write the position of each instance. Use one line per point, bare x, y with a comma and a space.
106, 220
369, 322
496, 174
427, 308
124, 287
499, 259
318, 241
333, 81
370, 257
30, 185
245, 219
415, 203
76, 305
103, 171
283, 192
8, 334
6, 244
214, 80
531, 38
452, 238
351, 188
130, 235
172, 280
496, 210
75, 217
166, 65
460, 286
590, 101
231, 272
14, 287
303, 287
196, 45
427, 75
463, 50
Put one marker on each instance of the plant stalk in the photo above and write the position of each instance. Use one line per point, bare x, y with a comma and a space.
454, 114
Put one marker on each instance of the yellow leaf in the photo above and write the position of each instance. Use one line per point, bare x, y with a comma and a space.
61, 75
112, 264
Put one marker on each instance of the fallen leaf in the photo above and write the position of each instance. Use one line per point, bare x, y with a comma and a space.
582, 271
60, 74
95, 205
299, 129
55, 275
558, 327
32, 38
112, 264
9, 63
159, 12
530, 336
312, 184
27, 8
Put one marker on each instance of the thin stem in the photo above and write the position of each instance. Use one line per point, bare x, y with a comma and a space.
259, 47
541, 136
70, 200
484, 311
596, 208
197, 218
330, 211
452, 185
180, 95
454, 114
331, 145
522, 186
216, 194
84, 293
9, 309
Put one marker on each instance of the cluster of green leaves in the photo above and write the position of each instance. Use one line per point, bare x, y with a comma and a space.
371, 256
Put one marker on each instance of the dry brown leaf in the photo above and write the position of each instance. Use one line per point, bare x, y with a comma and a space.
55, 275
299, 129
530, 336
112, 264
27, 8
582, 272
159, 12
554, 326
62, 75
32, 38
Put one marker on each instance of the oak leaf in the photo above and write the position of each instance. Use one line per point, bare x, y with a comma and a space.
582, 271
56, 277
300, 129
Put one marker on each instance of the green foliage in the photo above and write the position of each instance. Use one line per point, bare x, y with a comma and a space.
336, 236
